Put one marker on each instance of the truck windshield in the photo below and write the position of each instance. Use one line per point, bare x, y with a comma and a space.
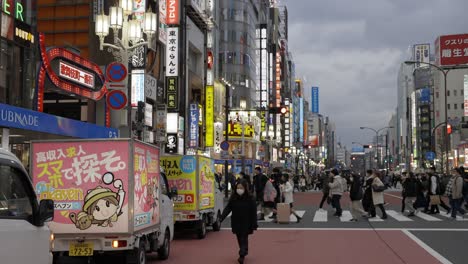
14, 200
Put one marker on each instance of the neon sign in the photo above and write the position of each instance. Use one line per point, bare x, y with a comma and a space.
77, 75
11, 9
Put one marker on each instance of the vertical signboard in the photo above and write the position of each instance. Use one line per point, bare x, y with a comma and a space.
162, 22
138, 86
172, 52
172, 15
421, 54
193, 120
139, 8
172, 94
315, 100
465, 94
301, 120
219, 137
171, 143
209, 111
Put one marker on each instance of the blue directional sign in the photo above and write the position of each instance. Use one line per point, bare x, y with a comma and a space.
116, 99
430, 155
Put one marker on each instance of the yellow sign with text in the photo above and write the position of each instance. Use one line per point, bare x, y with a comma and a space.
209, 118
206, 181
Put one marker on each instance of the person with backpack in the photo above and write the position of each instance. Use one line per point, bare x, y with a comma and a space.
454, 192
355, 195
337, 187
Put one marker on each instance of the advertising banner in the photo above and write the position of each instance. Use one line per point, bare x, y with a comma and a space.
172, 15
138, 86
193, 121
465, 94
315, 100
207, 178
162, 22
219, 136
209, 112
466, 157
146, 173
452, 50
421, 54
425, 95
172, 52
88, 182
181, 173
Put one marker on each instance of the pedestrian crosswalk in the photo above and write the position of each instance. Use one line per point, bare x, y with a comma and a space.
322, 216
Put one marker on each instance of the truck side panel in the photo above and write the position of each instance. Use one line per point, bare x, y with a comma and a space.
181, 173
206, 178
88, 181
147, 176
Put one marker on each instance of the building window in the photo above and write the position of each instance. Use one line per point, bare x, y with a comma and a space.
461, 92
448, 106
454, 92
455, 106
462, 106
448, 92
437, 94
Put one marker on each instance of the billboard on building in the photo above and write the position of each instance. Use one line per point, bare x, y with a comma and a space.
451, 50
315, 100
301, 120
421, 54
172, 16
465, 94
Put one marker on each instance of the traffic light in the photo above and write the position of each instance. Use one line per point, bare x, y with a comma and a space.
367, 146
140, 114
278, 110
449, 129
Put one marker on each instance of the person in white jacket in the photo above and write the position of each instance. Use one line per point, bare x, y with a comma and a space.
287, 193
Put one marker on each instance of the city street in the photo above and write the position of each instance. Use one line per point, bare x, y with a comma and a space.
399, 239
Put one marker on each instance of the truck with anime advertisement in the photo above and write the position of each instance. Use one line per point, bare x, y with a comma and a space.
199, 201
109, 196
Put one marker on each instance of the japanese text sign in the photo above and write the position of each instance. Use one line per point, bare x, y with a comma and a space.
235, 130
209, 106
193, 121
421, 54
172, 51
172, 93
172, 15
465, 94
88, 181
76, 74
206, 181
452, 49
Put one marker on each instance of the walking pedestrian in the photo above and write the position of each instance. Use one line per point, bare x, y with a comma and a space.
355, 195
367, 202
411, 188
287, 193
377, 194
325, 179
244, 216
337, 187
259, 182
454, 192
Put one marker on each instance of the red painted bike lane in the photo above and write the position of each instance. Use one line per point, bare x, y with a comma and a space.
303, 246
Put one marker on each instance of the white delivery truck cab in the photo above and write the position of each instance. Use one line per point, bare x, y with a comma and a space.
23, 236
110, 198
199, 201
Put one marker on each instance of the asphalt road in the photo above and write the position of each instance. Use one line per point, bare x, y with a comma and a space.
398, 239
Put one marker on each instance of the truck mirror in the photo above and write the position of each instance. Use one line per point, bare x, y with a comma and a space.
174, 191
46, 210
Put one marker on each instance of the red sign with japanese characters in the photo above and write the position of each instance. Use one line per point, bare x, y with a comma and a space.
452, 50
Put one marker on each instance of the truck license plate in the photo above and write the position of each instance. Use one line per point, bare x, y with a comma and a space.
81, 249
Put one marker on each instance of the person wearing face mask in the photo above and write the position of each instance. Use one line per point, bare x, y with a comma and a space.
244, 216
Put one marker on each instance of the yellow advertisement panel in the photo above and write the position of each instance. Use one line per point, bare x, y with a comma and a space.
207, 178
209, 104
181, 173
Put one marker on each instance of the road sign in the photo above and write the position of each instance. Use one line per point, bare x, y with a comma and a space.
116, 99
116, 72
430, 155
224, 145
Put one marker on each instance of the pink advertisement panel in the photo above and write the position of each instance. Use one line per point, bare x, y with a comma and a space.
88, 182
146, 172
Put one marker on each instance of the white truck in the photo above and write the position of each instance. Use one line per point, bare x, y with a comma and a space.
22, 218
199, 201
110, 198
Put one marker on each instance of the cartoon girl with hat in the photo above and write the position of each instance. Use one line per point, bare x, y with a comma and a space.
102, 205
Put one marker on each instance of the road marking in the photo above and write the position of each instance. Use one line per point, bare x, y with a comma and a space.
346, 216
320, 216
459, 218
357, 229
429, 250
427, 217
398, 216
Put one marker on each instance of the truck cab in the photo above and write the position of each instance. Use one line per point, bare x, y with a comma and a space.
24, 237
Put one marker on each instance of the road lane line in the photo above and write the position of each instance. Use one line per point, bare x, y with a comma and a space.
398, 216
427, 217
459, 218
346, 216
320, 216
429, 250
375, 219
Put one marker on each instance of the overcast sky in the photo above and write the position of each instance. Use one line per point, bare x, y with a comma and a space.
352, 50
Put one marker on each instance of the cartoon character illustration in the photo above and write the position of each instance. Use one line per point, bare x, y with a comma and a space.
81, 220
102, 206
152, 195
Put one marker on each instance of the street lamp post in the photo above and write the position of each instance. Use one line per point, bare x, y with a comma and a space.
377, 140
130, 39
445, 73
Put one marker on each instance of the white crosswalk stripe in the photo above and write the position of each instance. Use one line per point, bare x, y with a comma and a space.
427, 217
459, 218
346, 216
399, 217
321, 216
376, 219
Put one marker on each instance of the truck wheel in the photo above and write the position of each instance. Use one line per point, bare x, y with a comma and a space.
141, 253
202, 229
163, 252
217, 223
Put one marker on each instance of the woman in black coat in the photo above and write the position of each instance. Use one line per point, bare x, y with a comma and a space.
355, 195
244, 216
